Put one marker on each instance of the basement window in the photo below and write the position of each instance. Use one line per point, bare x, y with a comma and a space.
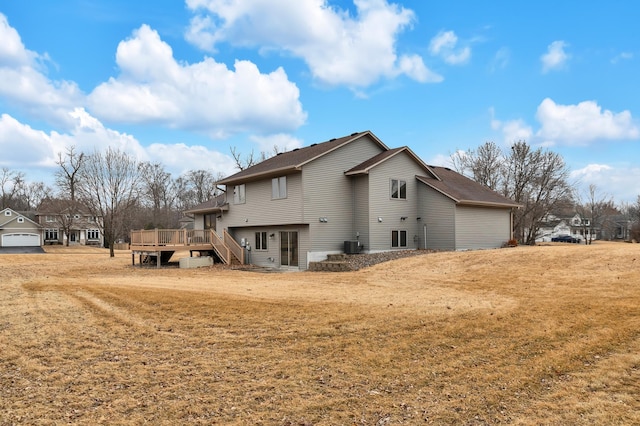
261, 240
398, 238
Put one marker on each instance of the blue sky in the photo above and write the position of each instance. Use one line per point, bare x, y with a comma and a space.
182, 82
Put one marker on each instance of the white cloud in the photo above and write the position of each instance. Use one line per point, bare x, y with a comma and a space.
12, 51
339, 49
39, 149
207, 96
583, 123
555, 58
444, 44
624, 56
33, 148
23, 84
179, 158
500, 59
620, 183
282, 141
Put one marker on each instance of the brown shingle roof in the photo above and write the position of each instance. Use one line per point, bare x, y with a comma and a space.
293, 160
364, 167
463, 190
217, 203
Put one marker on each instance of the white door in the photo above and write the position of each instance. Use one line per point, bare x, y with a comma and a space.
21, 240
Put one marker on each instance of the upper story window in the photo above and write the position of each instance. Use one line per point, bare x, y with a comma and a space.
7, 213
21, 220
50, 218
398, 189
239, 194
279, 187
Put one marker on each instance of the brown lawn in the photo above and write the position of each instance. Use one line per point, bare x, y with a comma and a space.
527, 335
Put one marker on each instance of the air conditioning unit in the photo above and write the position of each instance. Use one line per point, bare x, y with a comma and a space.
352, 247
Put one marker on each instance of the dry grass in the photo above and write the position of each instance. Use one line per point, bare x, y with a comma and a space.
526, 335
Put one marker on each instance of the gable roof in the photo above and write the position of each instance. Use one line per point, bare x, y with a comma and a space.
291, 161
463, 190
366, 166
14, 216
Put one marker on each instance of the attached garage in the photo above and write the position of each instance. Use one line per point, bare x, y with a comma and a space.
21, 240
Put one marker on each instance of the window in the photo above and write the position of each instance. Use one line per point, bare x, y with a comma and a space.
50, 218
398, 189
239, 194
261, 241
209, 221
7, 213
51, 234
93, 234
398, 239
279, 187
21, 220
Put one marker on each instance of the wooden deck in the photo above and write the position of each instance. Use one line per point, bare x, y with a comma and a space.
158, 242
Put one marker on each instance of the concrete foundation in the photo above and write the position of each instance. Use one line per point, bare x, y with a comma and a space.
195, 262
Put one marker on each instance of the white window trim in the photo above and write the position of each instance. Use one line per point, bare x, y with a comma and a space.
406, 238
259, 247
399, 182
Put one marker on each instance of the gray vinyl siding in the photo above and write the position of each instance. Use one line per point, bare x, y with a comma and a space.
437, 212
361, 209
271, 256
260, 210
381, 205
481, 227
328, 193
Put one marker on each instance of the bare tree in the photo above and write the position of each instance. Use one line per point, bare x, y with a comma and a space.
594, 211
483, 165
536, 179
69, 173
251, 159
33, 193
195, 187
157, 193
108, 186
11, 185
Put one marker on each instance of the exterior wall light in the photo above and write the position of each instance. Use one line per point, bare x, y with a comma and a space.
379, 219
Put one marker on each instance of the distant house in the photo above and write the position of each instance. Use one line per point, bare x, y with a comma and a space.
352, 194
17, 230
62, 224
558, 224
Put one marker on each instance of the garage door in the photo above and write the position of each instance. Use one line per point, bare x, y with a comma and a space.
20, 240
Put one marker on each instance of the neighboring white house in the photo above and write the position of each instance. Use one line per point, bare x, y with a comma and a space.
352, 194
17, 230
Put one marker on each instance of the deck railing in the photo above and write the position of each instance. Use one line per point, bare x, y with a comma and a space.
236, 249
170, 237
225, 246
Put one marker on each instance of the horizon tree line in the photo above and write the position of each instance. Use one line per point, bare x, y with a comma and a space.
128, 194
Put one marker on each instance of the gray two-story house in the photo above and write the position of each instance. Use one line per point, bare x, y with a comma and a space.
353, 194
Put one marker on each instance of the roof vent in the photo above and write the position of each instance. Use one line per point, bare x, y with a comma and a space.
354, 133
295, 149
278, 154
330, 140
313, 144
